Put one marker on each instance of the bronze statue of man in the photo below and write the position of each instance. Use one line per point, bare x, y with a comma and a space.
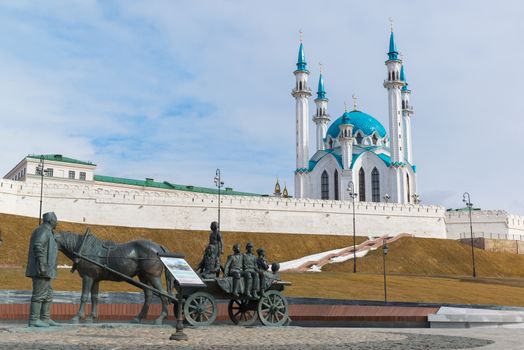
215, 239
250, 272
233, 268
263, 267
41, 267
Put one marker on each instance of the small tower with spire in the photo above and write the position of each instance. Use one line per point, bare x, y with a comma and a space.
277, 192
407, 112
321, 118
285, 194
301, 93
345, 137
393, 84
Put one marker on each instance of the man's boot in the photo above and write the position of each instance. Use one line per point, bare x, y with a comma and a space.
235, 287
255, 288
249, 286
34, 315
45, 315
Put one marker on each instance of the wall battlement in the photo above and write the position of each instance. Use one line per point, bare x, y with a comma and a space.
110, 204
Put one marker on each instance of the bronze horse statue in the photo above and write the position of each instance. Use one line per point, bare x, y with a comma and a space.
134, 258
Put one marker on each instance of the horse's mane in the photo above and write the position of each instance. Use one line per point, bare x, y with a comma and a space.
91, 244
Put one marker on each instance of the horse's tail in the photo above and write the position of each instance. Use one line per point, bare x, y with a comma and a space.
169, 278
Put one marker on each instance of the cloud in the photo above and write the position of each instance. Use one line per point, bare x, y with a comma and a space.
173, 90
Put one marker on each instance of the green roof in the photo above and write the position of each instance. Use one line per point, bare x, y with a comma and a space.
59, 158
169, 186
462, 209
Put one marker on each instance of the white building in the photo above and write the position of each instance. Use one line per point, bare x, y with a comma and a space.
356, 146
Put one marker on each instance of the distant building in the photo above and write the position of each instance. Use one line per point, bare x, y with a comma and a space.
59, 168
356, 146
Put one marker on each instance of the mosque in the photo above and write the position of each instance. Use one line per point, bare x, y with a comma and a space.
355, 156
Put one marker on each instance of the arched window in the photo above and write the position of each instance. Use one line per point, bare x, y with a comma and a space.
359, 138
335, 181
403, 104
361, 185
409, 191
375, 185
389, 76
375, 139
330, 143
324, 183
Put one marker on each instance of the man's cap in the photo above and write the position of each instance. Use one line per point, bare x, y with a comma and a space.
49, 216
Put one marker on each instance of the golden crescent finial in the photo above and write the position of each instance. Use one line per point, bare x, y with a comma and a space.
354, 97
300, 31
320, 65
345, 106
391, 23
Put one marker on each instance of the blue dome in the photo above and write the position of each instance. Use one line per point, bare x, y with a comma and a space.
361, 121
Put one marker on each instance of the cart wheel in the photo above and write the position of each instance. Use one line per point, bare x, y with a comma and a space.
200, 309
242, 312
273, 309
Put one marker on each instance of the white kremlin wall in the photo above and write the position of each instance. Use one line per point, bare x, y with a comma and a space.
496, 224
134, 206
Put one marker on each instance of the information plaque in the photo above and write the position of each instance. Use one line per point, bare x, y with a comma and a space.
182, 272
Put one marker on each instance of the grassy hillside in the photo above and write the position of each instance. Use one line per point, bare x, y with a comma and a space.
16, 232
436, 257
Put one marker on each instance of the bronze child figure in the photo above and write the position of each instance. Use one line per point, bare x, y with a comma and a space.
233, 268
250, 272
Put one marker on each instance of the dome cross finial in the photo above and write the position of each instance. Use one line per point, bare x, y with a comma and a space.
354, 97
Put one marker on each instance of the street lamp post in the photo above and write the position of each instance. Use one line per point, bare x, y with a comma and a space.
219, 184
384, 253
387, 197
416, 198
40, 170
466, 198
353, 195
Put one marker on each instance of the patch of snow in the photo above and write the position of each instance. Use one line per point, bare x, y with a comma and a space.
293, 264
342, 258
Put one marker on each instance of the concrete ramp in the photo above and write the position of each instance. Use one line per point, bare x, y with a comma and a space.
455, 317
315, 262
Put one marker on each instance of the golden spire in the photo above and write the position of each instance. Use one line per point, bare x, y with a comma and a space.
277, 189
285, 194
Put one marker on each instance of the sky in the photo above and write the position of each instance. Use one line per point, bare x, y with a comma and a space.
172, 90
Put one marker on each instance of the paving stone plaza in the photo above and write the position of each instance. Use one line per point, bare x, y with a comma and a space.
127, 336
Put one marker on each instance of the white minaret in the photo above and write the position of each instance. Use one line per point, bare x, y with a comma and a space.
345, 137
407, 112
393, 84
321, 118
301, 93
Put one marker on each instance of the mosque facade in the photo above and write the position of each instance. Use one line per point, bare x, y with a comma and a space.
355, 156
